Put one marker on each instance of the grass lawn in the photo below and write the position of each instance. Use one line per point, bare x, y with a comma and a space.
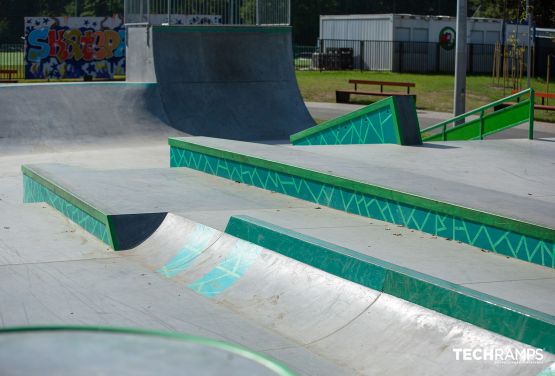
434, 92
12, 60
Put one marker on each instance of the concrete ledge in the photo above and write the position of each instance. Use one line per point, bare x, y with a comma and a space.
119, 231
392, 120
494, 232
497, 315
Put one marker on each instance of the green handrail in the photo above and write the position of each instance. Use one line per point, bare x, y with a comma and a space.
482, 117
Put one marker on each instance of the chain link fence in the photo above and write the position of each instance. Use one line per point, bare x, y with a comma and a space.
414, 57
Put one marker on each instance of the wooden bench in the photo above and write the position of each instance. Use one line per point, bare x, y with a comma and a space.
9, 72
344, 96
537, 106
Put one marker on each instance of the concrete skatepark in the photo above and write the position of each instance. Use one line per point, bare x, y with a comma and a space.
218, 247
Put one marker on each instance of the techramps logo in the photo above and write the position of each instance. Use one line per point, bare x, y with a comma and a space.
500, 355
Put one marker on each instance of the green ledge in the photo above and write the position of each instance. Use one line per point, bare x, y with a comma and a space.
481, 217
497, 315
73, 200
345, 119
259, 358
390, 121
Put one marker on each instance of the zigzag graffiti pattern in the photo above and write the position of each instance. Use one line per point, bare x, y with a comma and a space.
374, 128
35, 192
483, 236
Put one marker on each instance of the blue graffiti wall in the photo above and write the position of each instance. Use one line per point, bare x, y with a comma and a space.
74, 47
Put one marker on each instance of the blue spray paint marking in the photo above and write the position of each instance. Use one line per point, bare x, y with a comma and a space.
198, 241
233, 267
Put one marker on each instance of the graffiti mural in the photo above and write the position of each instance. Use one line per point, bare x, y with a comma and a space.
74, 47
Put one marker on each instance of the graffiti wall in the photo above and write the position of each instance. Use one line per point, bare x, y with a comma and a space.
74, 47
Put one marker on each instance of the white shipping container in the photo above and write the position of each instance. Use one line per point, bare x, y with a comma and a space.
382, 30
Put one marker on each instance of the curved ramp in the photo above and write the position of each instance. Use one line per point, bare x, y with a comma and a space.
125, 352
360, 330
227, 82
45, 116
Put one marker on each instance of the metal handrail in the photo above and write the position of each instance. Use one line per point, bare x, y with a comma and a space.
137, 24
482, 115
479, 109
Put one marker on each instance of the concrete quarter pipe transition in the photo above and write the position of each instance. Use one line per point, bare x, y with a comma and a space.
234, 82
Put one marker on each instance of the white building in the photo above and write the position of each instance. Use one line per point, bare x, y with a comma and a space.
403, 42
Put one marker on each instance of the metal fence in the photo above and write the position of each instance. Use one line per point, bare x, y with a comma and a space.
12, 59
192, 12
417, 57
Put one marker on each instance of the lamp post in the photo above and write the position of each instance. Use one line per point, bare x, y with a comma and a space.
528, 44
460, 60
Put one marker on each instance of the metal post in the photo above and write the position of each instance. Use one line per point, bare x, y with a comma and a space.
532, 102
361, 56
76, 8
529, 52
460, 60
169, 12
288, 12
257, 13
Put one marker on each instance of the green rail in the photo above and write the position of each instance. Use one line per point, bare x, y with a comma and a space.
491, 118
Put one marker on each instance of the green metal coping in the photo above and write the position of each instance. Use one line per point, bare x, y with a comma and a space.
223, 29
74, 200
497, 315
259, 358
387, 102
518, 226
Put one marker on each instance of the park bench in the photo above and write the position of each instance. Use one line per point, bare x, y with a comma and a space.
344, 96
8, 72
537, 106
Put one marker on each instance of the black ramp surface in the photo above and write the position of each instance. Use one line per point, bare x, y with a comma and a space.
229, 82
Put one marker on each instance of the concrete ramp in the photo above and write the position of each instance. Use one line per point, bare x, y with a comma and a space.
42, 117
360, 330
226, 81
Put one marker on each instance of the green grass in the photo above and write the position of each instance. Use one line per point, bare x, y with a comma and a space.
434, 91
12, 60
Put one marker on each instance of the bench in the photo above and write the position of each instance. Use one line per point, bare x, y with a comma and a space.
344, 96
9, 72
537, 106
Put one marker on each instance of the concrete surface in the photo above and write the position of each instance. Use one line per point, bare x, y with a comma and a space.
239, 84
40, 118
126, 354
211, 200
316, 323
229, 82
467, 173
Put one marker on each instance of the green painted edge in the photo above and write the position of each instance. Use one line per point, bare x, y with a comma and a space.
484, 310
74, 200
482, 217
294, 138
223, 29
257, 357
